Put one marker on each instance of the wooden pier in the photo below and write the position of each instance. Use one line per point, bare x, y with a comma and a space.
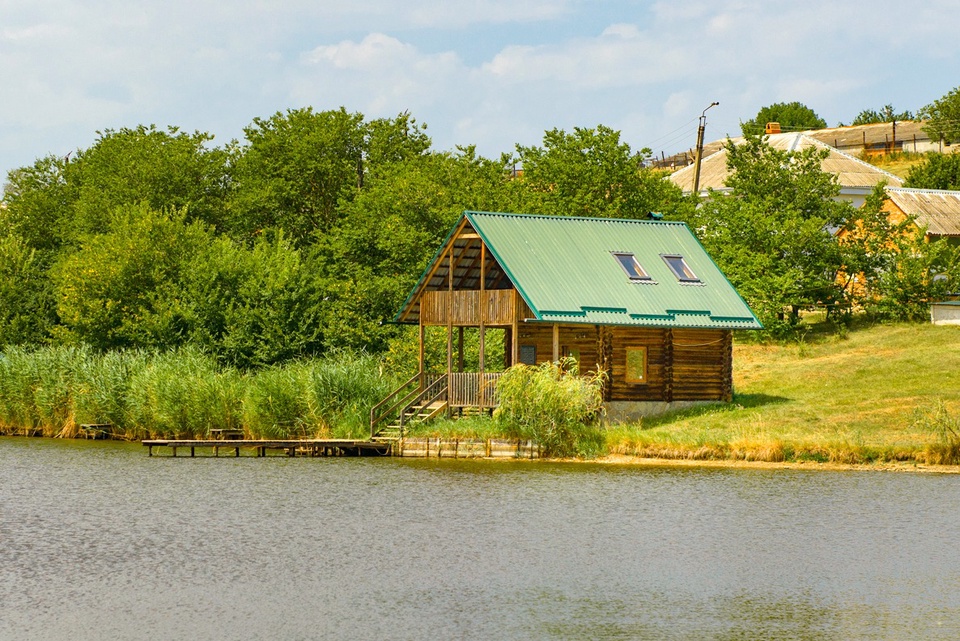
298, 447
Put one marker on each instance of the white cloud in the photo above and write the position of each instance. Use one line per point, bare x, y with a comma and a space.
373, 53
491, 72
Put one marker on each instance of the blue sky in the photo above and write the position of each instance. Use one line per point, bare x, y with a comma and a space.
492, 73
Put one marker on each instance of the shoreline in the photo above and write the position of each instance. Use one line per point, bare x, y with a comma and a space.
916, 468
639, 461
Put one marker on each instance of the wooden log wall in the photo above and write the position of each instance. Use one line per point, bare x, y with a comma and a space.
579, 338
702, 364
682, 364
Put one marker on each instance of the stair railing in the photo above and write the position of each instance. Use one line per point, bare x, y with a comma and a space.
388, 407
430, 394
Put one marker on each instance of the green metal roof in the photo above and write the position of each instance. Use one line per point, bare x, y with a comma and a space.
565, 270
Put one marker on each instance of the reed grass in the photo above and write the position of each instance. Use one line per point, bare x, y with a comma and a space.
51, 391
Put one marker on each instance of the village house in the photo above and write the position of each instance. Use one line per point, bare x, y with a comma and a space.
855, 177
936, 211
639, 300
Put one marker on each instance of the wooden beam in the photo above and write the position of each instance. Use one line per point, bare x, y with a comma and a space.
515, 343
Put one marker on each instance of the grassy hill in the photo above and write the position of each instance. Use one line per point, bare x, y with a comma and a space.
898, 164
884, 393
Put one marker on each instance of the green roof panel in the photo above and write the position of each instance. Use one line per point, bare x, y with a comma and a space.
566, 270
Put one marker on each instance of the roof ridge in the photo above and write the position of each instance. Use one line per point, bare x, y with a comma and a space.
924, 190
562, 217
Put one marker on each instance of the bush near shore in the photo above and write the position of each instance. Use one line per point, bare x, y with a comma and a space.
184, 394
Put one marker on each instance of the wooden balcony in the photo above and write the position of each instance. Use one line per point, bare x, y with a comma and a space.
495, 307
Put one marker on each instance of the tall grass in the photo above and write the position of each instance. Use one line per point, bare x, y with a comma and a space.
945, 427
328, 397
184, 394
37, 389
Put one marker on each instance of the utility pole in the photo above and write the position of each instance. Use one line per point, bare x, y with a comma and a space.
700, 130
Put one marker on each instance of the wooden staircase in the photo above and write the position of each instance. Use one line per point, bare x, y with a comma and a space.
411, 416
411, 403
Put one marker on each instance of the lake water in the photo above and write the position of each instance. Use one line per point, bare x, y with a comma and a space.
98, 541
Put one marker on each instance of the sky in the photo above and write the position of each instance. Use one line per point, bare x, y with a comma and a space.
489, 73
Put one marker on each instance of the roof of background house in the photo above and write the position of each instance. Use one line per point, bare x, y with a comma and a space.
852, 173
936, 209
566, 270
858, 136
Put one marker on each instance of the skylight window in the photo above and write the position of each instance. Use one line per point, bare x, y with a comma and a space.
630, 265
680, 269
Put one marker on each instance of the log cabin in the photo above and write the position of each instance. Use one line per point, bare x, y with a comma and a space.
641, 301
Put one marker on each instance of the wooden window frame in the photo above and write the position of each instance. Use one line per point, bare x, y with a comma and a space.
626, 367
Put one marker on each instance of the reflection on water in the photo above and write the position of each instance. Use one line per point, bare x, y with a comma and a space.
98, 541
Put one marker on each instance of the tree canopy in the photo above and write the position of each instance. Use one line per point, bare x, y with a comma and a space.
886, 114
301, 239
943, 117
792, 116
590, 172
935, 171
305, 237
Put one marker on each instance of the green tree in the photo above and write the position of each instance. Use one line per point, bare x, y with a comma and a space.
163, 169
943, 116
590, 172
890, 269
299, 166
792, 116
255, 306
59, 200
936, 171
772, 235
124, 288
38, 202
886, 114
27, 304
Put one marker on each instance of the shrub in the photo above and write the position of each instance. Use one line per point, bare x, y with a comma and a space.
946, 428
552, 405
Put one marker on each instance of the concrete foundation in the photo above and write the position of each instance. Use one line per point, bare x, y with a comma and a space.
631, 411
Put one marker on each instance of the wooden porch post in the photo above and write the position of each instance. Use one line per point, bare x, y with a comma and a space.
483, 316
460, 348
449, 319
450, 309
515, 331
423, 351
556, 342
